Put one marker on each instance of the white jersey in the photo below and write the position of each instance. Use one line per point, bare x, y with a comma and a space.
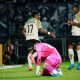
76, 30
32, 26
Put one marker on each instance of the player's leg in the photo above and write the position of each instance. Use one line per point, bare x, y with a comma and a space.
49, 70
30, 52
78, 54
34, 53
50, 64
28, 48
29, 61
45, 71
71, 56
33, 57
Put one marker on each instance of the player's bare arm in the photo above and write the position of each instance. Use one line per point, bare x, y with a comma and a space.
75, 24
70, 22
48, 33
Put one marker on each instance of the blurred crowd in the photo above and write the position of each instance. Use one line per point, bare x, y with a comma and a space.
53, 16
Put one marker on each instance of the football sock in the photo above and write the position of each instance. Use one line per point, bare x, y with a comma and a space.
71, 55
78, 53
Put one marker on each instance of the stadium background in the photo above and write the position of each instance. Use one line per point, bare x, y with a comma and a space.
14, 14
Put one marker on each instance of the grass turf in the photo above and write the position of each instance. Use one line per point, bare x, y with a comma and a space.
22, 73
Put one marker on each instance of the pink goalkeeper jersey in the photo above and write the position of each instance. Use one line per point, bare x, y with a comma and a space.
44, 50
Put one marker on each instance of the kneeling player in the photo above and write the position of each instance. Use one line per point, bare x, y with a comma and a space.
52, 59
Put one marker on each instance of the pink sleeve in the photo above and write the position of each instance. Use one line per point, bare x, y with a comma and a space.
55, 51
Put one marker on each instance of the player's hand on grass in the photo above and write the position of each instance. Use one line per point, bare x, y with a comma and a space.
30, 68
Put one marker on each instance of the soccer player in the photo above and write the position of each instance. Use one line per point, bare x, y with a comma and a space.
75, 39
52, 59
31, 29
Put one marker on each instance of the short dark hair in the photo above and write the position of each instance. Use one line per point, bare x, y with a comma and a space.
76, 6
35, 13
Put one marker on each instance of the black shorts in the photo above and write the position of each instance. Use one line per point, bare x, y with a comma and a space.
29, 44
74, 40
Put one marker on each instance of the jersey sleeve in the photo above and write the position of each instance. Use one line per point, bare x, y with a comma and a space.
78, 17
38, 24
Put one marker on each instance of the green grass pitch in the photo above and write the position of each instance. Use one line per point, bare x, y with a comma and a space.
22, 73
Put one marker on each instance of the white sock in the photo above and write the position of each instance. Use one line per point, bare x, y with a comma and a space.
71, 55
54, 71
78, 54
59, 71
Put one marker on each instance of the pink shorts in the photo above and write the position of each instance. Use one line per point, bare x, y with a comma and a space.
53, 60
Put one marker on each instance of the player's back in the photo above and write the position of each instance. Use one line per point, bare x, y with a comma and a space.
46, 49
31, 29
